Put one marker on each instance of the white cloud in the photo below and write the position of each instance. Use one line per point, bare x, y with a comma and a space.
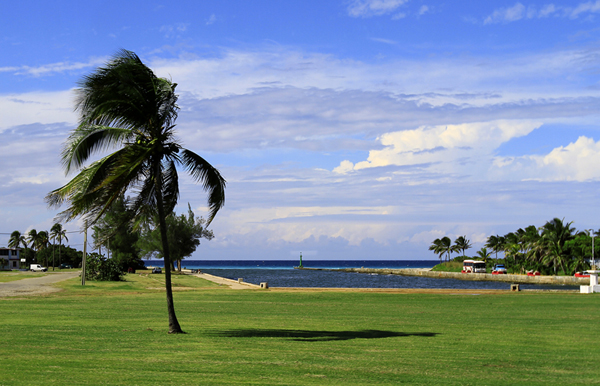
590, 6
520, 12
53, 68
368, 8
506, 15
211, 19
445, 148
548, 10
423, 10
36, 107
576, 161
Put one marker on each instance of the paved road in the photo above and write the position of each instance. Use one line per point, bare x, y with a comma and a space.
35, 285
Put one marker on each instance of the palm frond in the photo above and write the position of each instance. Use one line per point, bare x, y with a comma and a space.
209, 177
86, 140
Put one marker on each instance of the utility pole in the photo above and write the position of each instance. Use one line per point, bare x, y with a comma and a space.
84, 255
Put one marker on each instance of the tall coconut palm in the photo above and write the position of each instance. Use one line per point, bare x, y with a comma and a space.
16, 240
125, 106
58, 232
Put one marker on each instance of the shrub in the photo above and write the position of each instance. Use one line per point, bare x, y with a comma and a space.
98, 268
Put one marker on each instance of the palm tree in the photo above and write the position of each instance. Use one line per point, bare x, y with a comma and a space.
484, 254
446, 246
43, 240
57, 232
16, 240
496, 243
125, 106
461, 244
553, 237
437, 248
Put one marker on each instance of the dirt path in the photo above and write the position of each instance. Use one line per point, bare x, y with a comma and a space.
35, 285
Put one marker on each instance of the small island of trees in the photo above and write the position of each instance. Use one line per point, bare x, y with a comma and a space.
556, 248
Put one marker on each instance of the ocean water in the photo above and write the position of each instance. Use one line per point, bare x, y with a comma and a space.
281, 273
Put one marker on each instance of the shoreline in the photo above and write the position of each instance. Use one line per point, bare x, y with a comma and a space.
426, 272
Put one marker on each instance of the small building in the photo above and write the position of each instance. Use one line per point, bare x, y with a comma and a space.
11, 257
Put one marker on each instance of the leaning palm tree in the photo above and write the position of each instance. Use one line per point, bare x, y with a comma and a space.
58, 232
125, 106
437, 248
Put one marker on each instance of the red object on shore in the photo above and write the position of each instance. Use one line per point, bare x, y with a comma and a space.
579, 274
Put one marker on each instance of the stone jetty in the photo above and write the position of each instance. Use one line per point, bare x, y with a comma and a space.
506, 278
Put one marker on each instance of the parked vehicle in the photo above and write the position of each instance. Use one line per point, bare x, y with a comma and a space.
473, 266
533, 273
37, 268
499, 269
66, 266
582, 274
156, 270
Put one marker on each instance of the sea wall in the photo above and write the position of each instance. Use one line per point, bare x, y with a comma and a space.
509, 278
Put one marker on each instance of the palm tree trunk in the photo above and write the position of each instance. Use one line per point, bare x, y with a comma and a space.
174, 327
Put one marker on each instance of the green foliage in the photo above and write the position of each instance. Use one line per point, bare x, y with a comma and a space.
183, 234
450, 266
101, 269
49, 256
115, 231
442, 246
555, 248
462, 244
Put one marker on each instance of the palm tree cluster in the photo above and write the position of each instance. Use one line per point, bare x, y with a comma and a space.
38, 241
554, 248
444, 246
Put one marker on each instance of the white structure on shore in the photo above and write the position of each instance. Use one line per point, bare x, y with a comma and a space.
593, 287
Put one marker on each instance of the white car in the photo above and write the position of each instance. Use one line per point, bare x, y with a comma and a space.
37, 268
499, 269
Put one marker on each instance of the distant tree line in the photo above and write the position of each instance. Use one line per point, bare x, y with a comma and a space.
555, 248
41, 247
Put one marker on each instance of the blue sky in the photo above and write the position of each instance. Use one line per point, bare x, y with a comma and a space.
358, 129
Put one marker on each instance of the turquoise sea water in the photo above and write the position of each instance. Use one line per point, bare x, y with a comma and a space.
281, 273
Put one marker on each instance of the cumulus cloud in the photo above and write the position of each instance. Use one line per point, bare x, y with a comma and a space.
443, 148
576, 161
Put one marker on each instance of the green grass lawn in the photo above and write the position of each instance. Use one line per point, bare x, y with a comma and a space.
115, 333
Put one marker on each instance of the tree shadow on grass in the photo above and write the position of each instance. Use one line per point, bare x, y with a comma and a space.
317, 336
